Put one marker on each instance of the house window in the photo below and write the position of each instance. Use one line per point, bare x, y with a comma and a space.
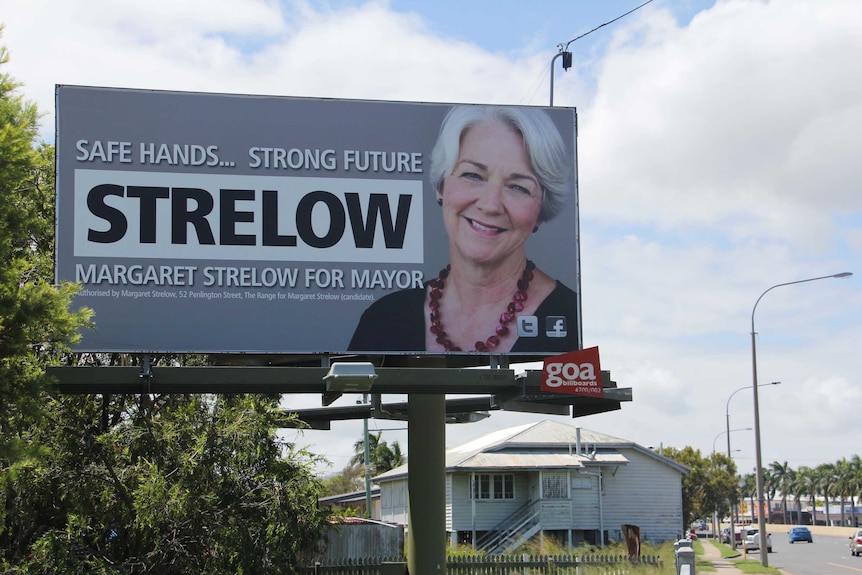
582, 483
555, 486
493, 486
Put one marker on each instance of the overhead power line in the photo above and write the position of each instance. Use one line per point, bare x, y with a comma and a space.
563, 47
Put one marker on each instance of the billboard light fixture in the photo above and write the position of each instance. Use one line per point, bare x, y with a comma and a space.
350, 376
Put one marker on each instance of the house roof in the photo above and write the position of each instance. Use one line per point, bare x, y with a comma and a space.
348, 498
545, 444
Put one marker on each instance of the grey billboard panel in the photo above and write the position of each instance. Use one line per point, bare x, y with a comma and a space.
254, 224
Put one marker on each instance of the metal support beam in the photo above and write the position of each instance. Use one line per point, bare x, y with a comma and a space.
426, 485
246, 379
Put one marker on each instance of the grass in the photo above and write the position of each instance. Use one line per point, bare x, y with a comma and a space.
744, 565
665, 550
727, 550
700, 564
754, 566
549, 546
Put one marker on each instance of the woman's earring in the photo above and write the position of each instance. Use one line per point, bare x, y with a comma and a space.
440, 202
535, 229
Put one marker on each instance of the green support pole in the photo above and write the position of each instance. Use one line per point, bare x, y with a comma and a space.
426, 485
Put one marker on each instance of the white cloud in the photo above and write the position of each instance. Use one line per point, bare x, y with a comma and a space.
730, 121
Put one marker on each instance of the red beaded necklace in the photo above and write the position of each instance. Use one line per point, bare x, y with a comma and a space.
515, 306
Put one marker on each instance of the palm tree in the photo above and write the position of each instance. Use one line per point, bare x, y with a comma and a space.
381, 457
844, 476
781, 475
799, 489
387, 457
770, 486
855, 485
749, 489
809, 479
826, 482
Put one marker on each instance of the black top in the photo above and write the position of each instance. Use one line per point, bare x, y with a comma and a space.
396, 323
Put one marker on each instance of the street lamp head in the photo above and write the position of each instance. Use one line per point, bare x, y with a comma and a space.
843, 275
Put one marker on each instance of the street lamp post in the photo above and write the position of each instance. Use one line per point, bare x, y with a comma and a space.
761, 519
567, 63
728, 432
727, 423
728, 443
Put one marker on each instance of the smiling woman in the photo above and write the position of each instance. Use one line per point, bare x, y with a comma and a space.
499, 173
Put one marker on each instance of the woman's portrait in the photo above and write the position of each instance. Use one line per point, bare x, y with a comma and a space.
499, 174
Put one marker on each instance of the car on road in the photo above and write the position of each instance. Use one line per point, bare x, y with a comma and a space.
724, 536
752, 540
856, 543
799, 534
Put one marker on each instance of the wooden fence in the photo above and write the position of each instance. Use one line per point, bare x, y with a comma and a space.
520, 564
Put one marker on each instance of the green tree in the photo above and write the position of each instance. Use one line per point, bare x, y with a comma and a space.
119, 483
168, 484
782, 475
710, 484
35, 322
826, 483
749, 489
844, 478
802, 486
855, 485
348, 480
771, 486
381, 456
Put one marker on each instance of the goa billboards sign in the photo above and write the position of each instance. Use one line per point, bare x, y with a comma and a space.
227, 223
574, 373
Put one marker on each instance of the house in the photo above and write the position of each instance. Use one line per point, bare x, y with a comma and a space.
355, 501
550, 478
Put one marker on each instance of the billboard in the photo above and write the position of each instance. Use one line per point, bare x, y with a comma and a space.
218, 223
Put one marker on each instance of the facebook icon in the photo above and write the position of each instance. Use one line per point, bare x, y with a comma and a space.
555, 326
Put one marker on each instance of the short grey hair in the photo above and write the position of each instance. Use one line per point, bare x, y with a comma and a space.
546, 151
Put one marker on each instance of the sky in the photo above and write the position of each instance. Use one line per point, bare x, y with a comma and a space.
718, 147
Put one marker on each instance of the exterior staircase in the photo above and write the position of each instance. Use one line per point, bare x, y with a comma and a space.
513, 531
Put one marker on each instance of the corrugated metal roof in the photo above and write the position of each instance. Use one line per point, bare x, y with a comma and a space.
489, 439
520, 461
545, 433
549, 432
526, 446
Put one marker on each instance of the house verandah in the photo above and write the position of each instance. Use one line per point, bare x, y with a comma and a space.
561, 502
551, 479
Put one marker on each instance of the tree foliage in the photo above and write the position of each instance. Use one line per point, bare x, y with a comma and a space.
381, 456
182, 484
812, 486
710, 485
122, 483
35, 322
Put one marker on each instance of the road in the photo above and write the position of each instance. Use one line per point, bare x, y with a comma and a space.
828, 555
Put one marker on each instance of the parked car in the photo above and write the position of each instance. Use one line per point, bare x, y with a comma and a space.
856, 543
799, 534
699, 525
740, 534
752, 540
